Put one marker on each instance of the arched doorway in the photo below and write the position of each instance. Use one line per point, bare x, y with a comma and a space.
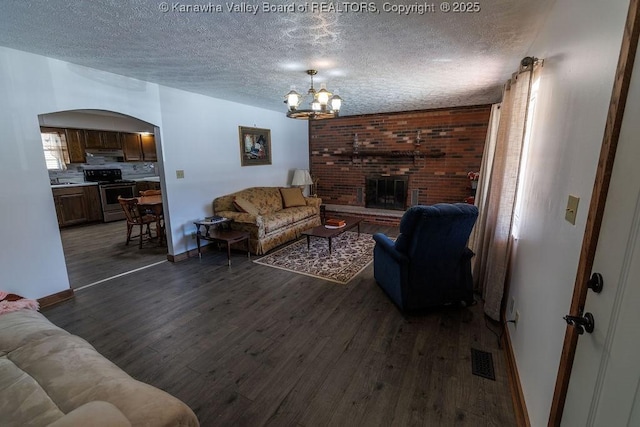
77, 145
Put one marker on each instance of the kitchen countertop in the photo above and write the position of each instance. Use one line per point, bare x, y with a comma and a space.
81, 184
148, 178
73, 184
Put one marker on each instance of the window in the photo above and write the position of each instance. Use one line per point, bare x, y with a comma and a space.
56, 154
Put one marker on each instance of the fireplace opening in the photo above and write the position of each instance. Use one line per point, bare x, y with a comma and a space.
387, 192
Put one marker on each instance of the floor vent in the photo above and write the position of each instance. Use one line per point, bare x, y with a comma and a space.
482, 364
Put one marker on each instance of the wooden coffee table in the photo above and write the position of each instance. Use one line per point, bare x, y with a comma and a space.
330, 233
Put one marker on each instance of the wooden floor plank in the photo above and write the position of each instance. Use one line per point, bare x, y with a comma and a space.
257, 346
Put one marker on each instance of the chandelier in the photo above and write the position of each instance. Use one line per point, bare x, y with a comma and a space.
324, 104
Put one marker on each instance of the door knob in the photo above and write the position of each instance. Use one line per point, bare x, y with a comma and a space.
596, 283
581, 323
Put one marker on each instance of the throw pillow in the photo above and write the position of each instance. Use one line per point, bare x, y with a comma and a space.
244, 205
292, 197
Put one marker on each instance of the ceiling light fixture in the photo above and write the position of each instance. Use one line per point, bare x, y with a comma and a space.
324, 104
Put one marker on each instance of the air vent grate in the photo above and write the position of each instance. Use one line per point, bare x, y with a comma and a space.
482, 364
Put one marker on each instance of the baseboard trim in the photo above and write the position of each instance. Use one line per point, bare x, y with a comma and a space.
56, 298
517, 396
192, 253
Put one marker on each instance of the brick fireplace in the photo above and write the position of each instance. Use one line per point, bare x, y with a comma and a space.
386, 192
430, 152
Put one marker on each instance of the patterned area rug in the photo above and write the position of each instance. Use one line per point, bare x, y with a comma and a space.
350, 255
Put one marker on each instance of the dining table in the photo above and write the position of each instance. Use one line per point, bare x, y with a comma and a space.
153, 205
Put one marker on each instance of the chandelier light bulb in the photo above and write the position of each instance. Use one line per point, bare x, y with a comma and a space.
336, 103
323, 95
293, 99
324, 104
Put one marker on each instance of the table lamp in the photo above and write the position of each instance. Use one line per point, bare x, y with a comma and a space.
301, 177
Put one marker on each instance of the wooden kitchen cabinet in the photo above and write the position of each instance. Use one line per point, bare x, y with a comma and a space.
111, 140
131, 146
75, 145
92, 203
139, 147
77, 205
102, 139
149, 153
146, 185
70, 205
92, 139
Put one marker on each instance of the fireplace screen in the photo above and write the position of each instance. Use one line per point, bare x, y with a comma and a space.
387, 192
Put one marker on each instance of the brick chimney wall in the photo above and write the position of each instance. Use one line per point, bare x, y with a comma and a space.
458, 132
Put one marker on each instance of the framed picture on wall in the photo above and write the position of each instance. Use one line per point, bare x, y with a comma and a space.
255, 146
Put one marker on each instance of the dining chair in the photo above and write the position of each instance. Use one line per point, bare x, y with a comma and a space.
136, 217
156, 211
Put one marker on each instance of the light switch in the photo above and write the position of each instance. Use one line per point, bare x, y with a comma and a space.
572, 209
180, 174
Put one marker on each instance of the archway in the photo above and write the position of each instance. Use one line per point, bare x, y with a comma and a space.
92, 227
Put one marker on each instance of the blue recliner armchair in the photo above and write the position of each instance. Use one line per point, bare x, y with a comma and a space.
429, 264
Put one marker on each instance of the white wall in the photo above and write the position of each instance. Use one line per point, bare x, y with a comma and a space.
196, 135
579, 42
200, 136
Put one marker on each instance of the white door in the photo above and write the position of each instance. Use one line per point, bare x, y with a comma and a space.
604, 389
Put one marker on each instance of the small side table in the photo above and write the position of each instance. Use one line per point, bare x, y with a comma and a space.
217, 235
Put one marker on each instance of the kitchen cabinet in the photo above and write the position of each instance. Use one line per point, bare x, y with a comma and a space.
75, 145
93, 203
131, 147
148, 148
70, 206
102, 139
147, 185
77, 205
139, 147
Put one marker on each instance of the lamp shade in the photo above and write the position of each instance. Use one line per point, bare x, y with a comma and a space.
301, 177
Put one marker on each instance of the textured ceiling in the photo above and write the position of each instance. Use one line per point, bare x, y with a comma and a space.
377, 62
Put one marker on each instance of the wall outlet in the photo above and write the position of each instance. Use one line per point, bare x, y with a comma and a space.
180, 174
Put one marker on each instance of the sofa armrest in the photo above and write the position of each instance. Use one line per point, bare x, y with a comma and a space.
95, 414
313, 201
242, 217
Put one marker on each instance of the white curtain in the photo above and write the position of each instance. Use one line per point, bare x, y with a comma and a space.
495, 196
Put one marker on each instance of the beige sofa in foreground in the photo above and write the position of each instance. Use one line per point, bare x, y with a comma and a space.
50, 377
276, 215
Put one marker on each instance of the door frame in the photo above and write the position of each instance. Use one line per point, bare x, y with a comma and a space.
597, 204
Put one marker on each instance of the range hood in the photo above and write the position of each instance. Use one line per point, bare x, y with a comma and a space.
104, 152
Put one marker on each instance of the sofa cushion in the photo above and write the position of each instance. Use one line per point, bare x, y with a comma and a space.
266, 199
46, 373
301, 212
292, 197
277, 220
94, 414
244, 205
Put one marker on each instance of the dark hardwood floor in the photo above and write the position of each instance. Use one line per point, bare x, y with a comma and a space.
97, 251
250, 345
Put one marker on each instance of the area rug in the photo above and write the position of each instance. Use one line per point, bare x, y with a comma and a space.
350, 255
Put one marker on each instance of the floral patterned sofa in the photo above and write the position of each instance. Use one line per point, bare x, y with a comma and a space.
271, 215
